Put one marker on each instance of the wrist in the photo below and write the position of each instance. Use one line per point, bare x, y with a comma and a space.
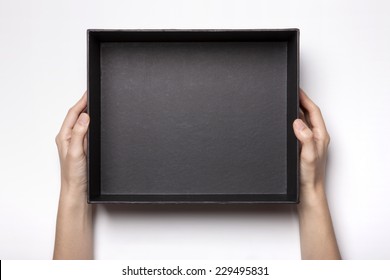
312, 196
73, 195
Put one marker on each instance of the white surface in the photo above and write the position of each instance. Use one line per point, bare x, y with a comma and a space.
345, 62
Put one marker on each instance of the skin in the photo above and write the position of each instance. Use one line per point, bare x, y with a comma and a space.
318, 240
74, 236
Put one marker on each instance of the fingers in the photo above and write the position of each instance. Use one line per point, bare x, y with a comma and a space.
70, 119
79, 131
302, 116
306, 137
314, 116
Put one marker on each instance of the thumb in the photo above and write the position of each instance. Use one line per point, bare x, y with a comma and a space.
306, 137
76, 146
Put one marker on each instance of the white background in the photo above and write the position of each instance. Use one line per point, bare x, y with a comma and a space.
345, 63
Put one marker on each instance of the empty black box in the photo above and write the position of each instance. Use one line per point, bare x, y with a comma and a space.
193, 116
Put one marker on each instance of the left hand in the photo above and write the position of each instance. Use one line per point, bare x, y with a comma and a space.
72, 149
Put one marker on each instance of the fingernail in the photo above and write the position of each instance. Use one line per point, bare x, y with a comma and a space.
300, 125
83, 119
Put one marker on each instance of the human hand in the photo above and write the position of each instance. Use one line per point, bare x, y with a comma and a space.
72, 149
311, 131
318, 240
74, 231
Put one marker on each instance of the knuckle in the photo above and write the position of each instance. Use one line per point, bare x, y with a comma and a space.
78, 130
70, 110
73, 154
327, 139
57, 139
308, 135
309, 159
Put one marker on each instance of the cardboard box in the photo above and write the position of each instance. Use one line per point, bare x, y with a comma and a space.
193, 116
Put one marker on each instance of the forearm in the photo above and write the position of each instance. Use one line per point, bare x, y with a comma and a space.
318, 240
74, 238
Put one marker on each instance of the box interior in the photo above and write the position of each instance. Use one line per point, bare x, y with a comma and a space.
187, 116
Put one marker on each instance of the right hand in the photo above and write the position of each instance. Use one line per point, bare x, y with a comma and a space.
311, 131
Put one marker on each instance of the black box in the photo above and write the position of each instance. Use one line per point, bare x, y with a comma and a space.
193, 116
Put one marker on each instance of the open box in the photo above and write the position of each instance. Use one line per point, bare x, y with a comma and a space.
193, 116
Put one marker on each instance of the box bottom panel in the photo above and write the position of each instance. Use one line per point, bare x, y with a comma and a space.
193, 118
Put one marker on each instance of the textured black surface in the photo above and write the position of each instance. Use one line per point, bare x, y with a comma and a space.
193, 118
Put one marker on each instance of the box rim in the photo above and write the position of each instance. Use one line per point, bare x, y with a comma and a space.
293, 30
